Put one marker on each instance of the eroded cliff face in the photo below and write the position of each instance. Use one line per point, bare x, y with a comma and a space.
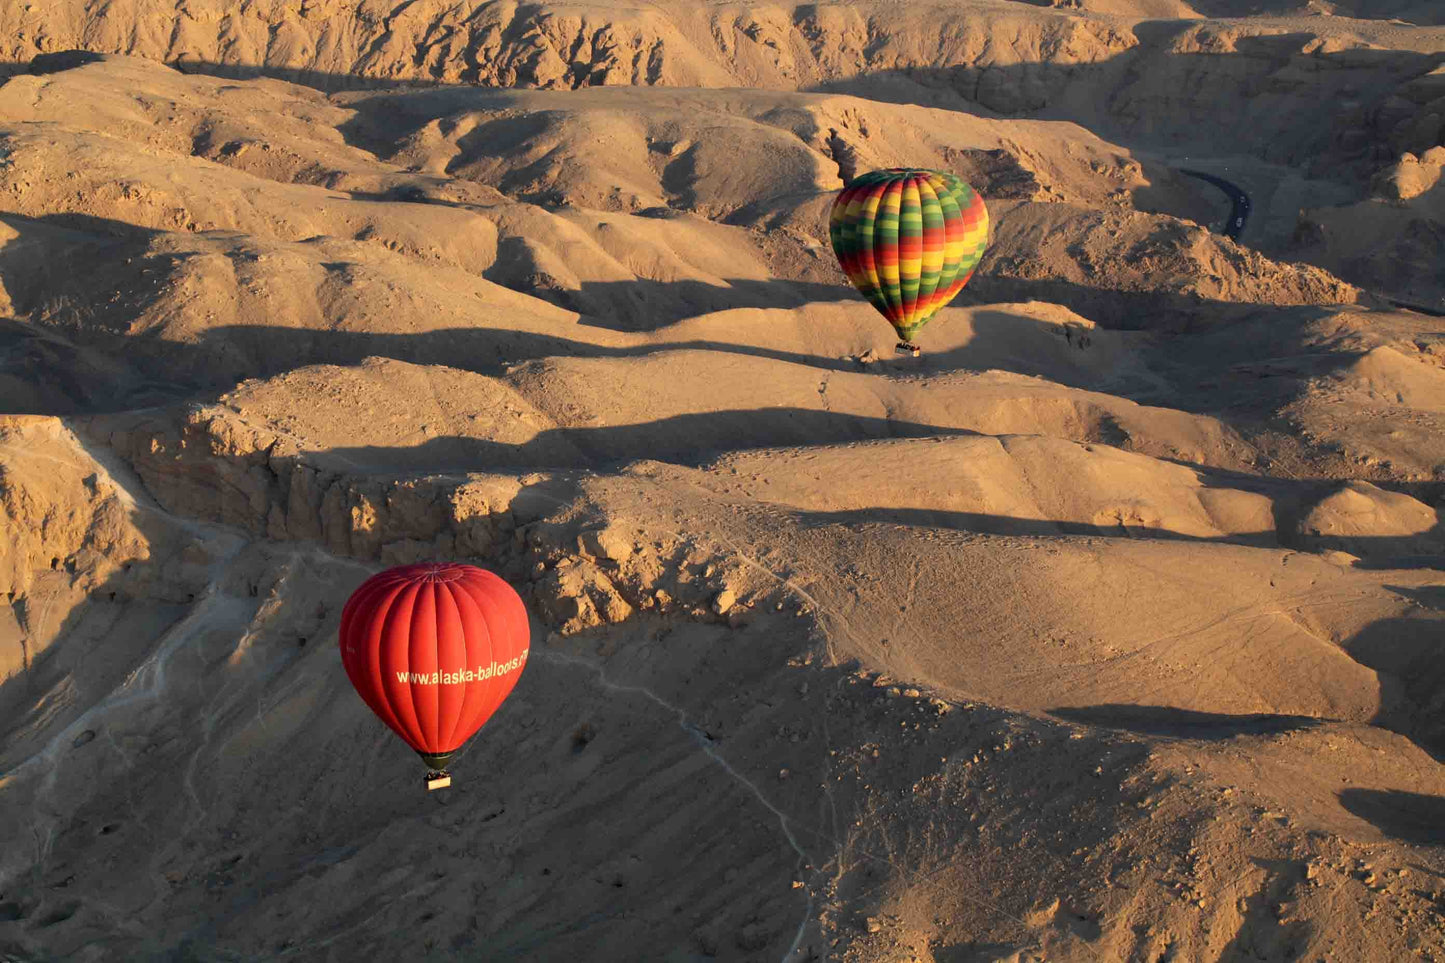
581, 570
59, 547
1163, 82
1325, 103
1288, 96
562, 45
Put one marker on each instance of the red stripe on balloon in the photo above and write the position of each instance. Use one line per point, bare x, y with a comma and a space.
393, 647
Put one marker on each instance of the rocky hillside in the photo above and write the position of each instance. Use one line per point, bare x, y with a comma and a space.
1105, 629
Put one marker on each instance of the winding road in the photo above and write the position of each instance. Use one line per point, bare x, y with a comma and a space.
1240, 213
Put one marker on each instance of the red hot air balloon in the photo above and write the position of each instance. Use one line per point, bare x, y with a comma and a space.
434, 649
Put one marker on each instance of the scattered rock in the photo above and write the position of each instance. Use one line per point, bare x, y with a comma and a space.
1409, 178
606, 543
581, 596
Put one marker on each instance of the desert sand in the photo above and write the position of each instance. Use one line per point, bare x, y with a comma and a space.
1108, 629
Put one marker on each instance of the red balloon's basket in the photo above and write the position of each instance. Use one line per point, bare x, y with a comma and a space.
438, 779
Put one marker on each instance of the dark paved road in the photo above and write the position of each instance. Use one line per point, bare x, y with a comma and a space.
1240, 214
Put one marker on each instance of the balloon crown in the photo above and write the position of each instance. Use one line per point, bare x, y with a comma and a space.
428, 572
937, 178
908, 172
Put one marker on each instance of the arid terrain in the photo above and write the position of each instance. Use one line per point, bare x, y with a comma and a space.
1108, 629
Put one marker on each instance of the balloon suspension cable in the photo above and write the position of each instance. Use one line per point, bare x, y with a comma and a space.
437, 779
909, 346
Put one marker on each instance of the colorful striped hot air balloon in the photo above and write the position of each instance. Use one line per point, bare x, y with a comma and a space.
909, 240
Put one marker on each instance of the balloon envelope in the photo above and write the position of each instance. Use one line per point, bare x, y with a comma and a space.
433, 649
908, 240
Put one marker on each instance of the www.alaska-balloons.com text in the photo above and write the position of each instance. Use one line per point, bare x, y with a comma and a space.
463, 676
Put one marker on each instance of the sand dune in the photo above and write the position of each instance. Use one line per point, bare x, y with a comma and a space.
1107, 628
